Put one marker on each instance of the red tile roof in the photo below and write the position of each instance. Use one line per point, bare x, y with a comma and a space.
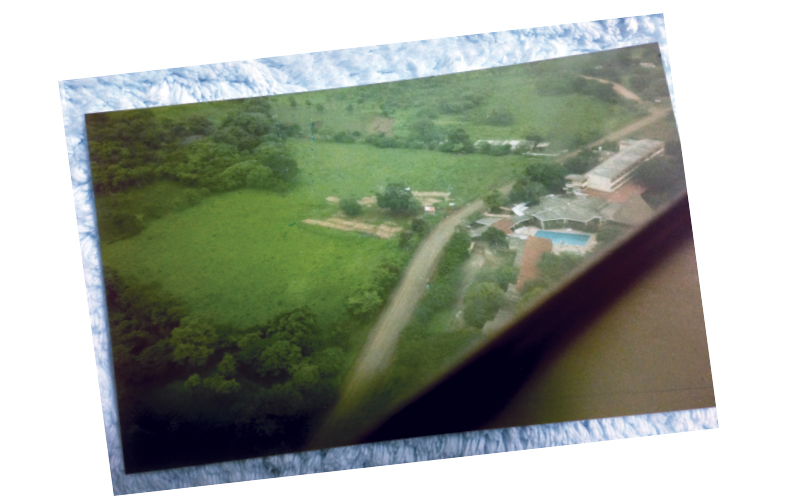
505, 225
621, 195
535, 247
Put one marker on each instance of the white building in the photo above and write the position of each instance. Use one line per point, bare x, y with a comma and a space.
614, 172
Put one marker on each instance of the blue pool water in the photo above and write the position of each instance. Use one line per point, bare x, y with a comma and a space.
564, 238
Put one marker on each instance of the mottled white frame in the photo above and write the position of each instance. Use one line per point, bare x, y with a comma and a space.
333, 69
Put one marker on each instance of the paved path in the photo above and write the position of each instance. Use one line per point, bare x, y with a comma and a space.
377, 354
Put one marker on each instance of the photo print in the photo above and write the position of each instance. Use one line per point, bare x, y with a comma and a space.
467, 249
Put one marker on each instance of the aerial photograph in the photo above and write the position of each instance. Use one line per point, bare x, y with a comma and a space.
282, 268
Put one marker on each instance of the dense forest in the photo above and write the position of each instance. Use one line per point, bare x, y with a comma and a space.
246, 147
137, 147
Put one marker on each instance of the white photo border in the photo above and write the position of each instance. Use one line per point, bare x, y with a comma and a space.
317, 71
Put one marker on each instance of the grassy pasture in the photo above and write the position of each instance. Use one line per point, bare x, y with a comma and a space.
511, 88
243, 256
360, 170
236, 258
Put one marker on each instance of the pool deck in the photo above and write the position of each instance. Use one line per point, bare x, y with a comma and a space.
558, 248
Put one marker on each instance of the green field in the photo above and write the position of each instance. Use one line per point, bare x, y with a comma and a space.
361, 170
242, 256
512, 89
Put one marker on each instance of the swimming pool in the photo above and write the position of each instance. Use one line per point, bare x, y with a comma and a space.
564, 238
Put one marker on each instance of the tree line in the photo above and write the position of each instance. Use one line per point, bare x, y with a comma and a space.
262, 382
134, 148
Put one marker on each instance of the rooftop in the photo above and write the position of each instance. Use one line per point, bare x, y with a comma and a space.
555, 208
533, 250
631, 151
488, 221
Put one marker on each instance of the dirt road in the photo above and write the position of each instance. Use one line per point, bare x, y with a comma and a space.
378, 351
376, 356
619, 89
655, 115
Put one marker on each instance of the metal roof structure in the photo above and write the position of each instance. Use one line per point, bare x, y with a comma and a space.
558, 208
521, 219
477, 232
631, 152
488, 221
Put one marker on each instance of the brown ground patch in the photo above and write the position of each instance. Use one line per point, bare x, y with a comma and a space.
381, 124
431, 197
622, 91
425, 198
382, 231
333, 199
535, 247
504, 225
435, 194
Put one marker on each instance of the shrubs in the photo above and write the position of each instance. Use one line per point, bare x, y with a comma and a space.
502, 276
138, 147
420, 226
344, 137
525, 190
364, 303
494, 199
482, 302
550, 174
350, 206
554, 84
369, 298
396, 198
499, 117
583, 162
425, 135
495, 237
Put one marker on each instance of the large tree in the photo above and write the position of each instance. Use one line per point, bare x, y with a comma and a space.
527, 191
495, 237
193, 341
550, 174
395, 198
350, 206
494, 199
482, 302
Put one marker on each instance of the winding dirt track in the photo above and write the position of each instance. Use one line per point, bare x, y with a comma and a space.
341, 425
619, 89
378, 351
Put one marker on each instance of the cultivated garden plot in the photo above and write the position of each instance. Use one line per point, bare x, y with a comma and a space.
284, 269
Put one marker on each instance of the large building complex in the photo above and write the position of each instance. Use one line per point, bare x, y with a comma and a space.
615, 171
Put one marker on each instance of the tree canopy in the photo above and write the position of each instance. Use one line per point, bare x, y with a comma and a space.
494, 199
482, 302
350, 206
395, 198
193, 341
134, 148
550, 174
495, 237
526, 191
